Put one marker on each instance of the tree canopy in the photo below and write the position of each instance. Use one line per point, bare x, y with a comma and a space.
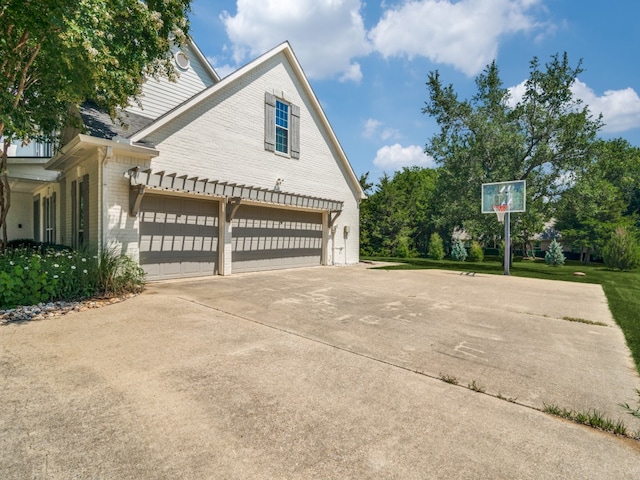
58, 53
605, 195
541, 137
395, 218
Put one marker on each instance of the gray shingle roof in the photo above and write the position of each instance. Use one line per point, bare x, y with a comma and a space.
99, 124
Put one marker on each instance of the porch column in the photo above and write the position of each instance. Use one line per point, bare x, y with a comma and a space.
225, 239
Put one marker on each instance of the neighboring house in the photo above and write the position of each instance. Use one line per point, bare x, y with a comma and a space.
210, 176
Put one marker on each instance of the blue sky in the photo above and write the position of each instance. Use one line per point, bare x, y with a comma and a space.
368, 62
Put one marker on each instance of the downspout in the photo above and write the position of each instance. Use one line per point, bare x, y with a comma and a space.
102, 198
332, 229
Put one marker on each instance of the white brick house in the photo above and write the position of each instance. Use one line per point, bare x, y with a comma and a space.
212, 176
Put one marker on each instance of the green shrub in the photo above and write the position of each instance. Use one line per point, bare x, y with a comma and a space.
475, 252
436, 247
621, 251
458, 252
554, 255
118, 274
37, 273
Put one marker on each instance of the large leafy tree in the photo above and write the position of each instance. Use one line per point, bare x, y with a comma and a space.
588, 213
541, 137
604, 196
618, 162
396, 218
58, 53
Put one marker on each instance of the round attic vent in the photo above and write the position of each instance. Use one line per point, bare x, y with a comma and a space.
182, 60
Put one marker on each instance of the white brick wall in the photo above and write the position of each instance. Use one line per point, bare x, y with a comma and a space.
121, 230
223, 138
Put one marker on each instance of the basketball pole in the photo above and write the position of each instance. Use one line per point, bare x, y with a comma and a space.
507, 233
507, 241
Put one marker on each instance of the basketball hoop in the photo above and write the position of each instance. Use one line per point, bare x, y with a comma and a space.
501, 210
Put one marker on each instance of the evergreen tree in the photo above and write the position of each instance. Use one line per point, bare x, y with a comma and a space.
554, 256
458, 252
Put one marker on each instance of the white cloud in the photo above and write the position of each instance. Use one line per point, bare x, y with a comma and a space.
325, 34
373, 130
396, 156
353, 73
620, 108
371, 127
464, 34
221, 70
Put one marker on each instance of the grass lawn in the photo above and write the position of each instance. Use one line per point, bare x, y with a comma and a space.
621, 288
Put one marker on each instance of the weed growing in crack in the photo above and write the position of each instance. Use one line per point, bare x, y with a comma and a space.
507, 399
582, 320
476, 388
449, 379
631, 411
591, 418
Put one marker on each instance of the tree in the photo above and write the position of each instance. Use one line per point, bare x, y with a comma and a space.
540, 138
395, 218
618, 162
458, 252
554, 255
588, 213
55, 54
605, 195
622, 251
475, 252
436, 248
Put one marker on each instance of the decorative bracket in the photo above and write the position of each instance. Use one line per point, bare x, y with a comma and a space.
136, 192
332, 219
232, 208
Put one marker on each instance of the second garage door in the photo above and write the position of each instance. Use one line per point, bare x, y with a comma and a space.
270, 238
178, 236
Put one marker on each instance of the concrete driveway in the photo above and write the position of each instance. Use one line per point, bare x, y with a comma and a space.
321, 373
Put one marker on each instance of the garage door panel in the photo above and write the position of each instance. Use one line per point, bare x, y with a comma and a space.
269, 238
178, 236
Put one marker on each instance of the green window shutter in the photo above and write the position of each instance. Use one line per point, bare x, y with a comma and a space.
295, 131
270, 122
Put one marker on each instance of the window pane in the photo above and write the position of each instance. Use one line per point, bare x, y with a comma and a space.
282, 127
282, 140
282, 114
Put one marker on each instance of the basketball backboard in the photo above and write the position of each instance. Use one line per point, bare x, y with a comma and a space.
508, 196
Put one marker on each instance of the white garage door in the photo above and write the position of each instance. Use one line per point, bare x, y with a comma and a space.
178, 236
270, 238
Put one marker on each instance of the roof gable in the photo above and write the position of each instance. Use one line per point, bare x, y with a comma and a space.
236, 77
160, 95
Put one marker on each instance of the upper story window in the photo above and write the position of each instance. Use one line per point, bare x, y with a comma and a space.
282, 126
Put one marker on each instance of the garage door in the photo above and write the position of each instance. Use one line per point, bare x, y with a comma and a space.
178, 237
271, 238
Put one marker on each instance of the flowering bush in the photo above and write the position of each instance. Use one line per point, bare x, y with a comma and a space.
32, 274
